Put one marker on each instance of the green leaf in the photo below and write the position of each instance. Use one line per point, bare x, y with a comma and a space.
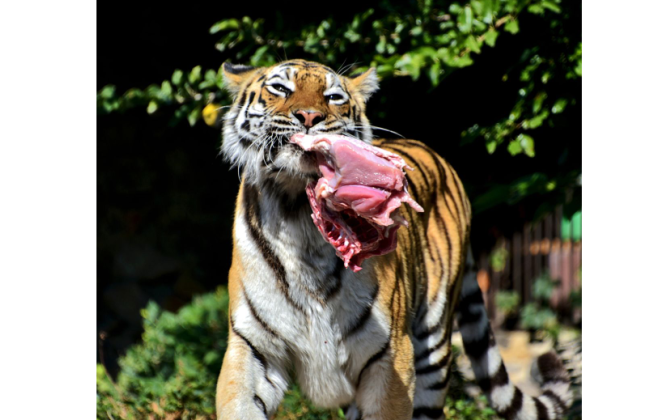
460, 62
512, 26
107, 92
177, 77
536, 9
261, 57
152, 107
472, 44
434, 73
166, 90
551, 6
491, 37
537, 120
223, 25
514, 147
491, 146
538, 101
527, 143
194, 116
455, 9
559, 106
194, 75
465, 20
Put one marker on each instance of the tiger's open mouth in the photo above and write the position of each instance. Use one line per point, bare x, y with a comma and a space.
355, 201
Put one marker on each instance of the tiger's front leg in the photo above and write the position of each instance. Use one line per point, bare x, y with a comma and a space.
253, 377
387, 383
252, 381
249, 387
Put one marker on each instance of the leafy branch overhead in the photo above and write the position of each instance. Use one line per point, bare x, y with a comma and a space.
425, 41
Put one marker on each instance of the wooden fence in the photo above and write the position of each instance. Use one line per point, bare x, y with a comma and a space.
535, 250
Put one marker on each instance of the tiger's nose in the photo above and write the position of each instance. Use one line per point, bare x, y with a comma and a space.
309, 118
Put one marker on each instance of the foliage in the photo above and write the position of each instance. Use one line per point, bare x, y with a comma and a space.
427, 39
536, 316
194, 93
507, 301
174, 369
173, 373
296, 406
459, 405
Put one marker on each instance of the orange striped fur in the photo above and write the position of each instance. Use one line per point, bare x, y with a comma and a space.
376, 342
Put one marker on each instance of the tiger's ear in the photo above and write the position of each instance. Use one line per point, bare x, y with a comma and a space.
365, 83
234, 75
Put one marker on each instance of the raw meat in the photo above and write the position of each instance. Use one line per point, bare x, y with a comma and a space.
355, 201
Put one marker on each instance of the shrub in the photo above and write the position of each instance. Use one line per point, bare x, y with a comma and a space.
172, 374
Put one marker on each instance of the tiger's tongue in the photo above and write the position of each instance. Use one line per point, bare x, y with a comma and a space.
353, 202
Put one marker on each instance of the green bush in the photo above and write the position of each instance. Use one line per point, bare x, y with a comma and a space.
173, 373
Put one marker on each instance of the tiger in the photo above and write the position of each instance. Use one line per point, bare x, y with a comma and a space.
376, 342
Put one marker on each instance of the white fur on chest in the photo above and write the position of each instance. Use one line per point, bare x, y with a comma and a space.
311, 330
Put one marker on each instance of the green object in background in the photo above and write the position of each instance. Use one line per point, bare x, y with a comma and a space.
572, 228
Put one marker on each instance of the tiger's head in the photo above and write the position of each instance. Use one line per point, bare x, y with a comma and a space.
273, 103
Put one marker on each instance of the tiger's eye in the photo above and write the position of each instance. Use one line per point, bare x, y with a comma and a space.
280, 88
334, 97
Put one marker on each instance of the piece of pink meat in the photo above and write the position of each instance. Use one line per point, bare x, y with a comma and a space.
354, 203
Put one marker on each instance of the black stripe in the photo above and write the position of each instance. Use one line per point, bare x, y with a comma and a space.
477, 348
416, 163
556, 400
413, 192
437, 326
439, 386
244, 91
463, 197
373, 359
436, 366
242, 100
511, 411
250, 101
432, 413
443, 175
256, 354
365, 315
260, 404
466, 317
442, 171
500, 378
337, 274
427, 352
252, 221
475, 297
257, 317
431, 330
245, 142
542, 411
329, 130
237, 68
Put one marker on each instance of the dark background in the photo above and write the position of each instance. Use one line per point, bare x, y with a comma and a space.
166, 199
